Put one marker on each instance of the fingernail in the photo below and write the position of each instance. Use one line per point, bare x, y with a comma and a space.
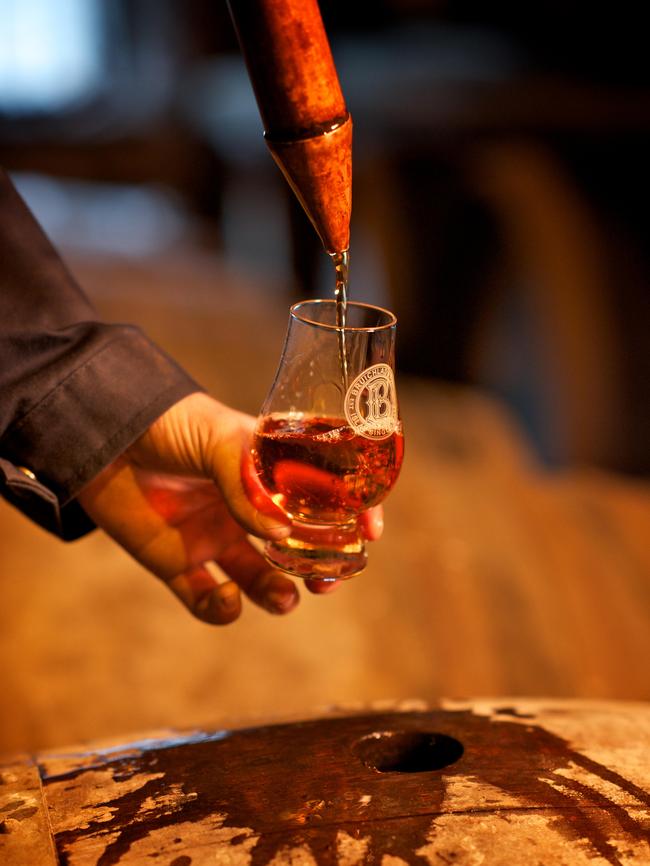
280, 602
229, 601
202, 605
272, 526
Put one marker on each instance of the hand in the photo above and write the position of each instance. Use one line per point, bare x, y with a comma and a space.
175, 501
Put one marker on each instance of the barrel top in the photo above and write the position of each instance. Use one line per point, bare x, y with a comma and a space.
465, 782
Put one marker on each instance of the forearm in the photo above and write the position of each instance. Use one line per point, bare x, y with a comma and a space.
74, 392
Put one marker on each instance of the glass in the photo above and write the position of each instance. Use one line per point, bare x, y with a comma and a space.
328, 442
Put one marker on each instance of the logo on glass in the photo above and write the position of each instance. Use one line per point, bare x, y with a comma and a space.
370, 405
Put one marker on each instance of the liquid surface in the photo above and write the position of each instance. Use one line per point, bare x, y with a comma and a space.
319, 469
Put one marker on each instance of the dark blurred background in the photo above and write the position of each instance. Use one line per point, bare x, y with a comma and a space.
500, 181
500, 208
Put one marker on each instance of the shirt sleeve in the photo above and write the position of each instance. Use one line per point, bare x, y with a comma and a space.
75, 392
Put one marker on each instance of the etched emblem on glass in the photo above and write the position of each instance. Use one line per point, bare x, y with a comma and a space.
370, 406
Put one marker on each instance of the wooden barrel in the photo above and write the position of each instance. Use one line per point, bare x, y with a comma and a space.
489, 782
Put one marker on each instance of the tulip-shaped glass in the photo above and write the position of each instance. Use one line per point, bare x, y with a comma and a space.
328, 443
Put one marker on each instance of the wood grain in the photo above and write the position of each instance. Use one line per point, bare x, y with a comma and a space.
25, 834
549, 782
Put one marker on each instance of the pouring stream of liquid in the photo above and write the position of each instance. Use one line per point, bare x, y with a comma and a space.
341, 268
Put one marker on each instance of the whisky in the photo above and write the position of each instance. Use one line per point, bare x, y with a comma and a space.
318, 469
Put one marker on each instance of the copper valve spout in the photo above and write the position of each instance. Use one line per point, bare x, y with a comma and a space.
306, 124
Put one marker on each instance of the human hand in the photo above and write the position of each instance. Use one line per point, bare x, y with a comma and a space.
176, 501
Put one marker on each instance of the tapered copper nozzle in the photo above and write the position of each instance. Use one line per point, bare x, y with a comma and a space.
307, 126
319, 170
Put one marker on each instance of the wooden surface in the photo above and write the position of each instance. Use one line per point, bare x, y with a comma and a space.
489, 782
25, 834
494, 576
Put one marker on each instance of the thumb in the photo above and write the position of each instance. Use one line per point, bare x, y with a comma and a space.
201, 437
230, 465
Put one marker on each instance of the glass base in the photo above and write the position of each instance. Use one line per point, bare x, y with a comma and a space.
317, 552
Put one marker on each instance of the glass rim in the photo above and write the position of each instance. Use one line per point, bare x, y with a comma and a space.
295, 313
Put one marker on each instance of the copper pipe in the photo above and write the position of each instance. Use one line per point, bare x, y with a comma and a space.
306, 124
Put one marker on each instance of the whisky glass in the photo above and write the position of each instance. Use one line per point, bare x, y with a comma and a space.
328, 442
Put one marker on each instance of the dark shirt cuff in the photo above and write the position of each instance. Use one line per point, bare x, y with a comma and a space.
85, 422
22, 489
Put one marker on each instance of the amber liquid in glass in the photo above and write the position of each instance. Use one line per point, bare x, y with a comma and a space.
319, 469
